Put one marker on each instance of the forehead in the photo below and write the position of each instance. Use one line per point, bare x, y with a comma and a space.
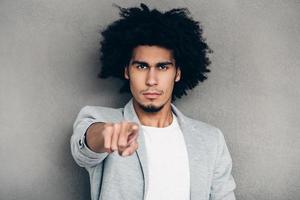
151, 53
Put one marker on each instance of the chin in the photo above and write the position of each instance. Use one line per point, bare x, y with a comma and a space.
151, 108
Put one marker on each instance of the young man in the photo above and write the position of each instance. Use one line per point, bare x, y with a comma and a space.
149, 149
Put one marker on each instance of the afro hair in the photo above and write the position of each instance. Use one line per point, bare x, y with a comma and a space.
174, 30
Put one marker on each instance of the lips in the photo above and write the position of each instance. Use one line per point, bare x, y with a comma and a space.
151, 95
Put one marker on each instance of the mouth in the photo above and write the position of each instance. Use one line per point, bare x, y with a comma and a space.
151, 95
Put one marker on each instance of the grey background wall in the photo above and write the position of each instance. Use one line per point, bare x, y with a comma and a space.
48, 67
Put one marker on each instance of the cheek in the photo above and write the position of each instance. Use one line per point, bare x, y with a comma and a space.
136, 82
168, 83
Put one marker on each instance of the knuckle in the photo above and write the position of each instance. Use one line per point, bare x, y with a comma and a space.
116, 125
108, 124
110, 127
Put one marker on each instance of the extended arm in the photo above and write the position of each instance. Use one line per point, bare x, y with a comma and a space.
81, 153
94, 136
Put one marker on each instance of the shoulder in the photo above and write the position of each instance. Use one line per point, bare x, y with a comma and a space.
197, 129
209, 133
96, 109
101, 113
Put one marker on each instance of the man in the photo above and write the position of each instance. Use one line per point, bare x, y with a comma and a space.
149, 149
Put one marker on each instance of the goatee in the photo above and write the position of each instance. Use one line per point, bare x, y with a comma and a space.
151, 108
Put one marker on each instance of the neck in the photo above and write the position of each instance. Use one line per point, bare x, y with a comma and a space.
160, 119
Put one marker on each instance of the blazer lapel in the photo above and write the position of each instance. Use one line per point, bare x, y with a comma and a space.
196, 149
130, 115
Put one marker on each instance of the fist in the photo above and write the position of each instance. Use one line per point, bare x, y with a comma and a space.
121, 137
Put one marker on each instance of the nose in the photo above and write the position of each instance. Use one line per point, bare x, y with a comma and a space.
151, 77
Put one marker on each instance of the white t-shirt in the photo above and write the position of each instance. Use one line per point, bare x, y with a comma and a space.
169, 177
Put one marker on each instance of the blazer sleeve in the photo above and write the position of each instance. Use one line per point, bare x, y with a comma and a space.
82, 155
223, 184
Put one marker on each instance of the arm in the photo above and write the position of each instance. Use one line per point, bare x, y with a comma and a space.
81, 153
95, 136
223, 183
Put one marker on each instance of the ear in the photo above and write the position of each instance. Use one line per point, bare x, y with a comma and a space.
126, 73
178, 74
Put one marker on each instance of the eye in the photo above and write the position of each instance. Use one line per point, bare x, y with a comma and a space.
163, 67
141, 66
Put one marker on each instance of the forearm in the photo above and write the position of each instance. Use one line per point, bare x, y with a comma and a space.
94, 137
82, 154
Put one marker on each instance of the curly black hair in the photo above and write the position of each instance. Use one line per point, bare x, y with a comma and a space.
174, 30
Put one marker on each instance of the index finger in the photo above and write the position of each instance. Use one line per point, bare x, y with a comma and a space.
128, 130
133, 129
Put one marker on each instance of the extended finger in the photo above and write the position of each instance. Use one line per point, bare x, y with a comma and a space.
134, 129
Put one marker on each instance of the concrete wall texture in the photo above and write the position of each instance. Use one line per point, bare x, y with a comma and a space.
48, 67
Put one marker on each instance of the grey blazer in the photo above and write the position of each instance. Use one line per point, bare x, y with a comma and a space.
113, 177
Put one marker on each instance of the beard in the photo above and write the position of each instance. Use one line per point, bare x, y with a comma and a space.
151, 108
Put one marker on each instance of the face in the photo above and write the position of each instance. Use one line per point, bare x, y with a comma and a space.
152, 73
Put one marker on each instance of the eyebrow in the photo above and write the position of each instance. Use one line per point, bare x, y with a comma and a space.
146, 64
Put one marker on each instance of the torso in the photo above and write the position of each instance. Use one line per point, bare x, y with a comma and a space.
167, 160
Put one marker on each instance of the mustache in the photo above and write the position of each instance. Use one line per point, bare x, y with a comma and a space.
152, 91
